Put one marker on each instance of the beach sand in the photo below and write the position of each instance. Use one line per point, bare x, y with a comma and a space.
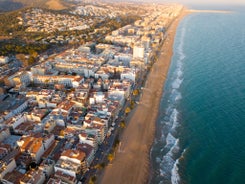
132, 160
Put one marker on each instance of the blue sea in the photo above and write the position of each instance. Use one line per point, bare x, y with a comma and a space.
200, 137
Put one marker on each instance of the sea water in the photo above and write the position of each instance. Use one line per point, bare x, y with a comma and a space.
200, 137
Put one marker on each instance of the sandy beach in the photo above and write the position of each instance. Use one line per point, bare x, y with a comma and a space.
132, 160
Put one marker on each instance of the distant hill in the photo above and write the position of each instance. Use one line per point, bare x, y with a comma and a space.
50, 4
10, 5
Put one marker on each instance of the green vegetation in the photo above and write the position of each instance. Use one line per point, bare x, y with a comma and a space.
109, 25
17, 47
9, 24
135, 92
92, 180
122, 124
51, 4
100, 166
132, 104
127, 110
14, 39
110, 157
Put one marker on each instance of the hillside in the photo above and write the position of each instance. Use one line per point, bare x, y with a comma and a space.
10, 5
50, 4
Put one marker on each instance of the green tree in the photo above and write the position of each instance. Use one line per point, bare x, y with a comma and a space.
110, 157
92, 180
122, 124
127, 110
31, 60
135, 92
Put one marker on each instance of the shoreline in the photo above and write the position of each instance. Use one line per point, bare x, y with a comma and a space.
132, 162
209, 11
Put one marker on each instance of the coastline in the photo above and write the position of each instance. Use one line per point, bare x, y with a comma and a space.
132, 161
209, 11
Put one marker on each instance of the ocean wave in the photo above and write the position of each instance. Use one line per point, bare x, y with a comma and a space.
176, 84
181, 45
169, 149
175, 177
168, 160
174, 117
169, 109
179, 72
181, 54
170, 140
174, 149
178, 96
175, 96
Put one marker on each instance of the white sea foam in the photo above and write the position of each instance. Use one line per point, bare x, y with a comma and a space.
169, 110
182, 36
176, 84
179, 72
167, 162
174, 118
180, 49
170, 140
175, 148
174, 115
178, 96
175, 178
182, 56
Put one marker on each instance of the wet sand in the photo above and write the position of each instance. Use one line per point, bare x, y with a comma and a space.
132, 160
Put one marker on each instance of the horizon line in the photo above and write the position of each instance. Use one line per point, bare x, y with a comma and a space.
208, 11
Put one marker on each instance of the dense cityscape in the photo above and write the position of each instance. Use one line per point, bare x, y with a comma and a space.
61, 114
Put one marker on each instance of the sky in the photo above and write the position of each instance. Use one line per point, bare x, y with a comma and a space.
212, 1
221, 2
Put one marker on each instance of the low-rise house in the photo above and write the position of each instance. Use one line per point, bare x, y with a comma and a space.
47, 167
54, 180
71, 162
7, 166
4, 133
17, 106
65, 178
22, 125
4, 60
33, 176
89, 138
88, 150
4, 150
67, 80
12, 177
76, 116
37, 114
35, 146
128, 74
